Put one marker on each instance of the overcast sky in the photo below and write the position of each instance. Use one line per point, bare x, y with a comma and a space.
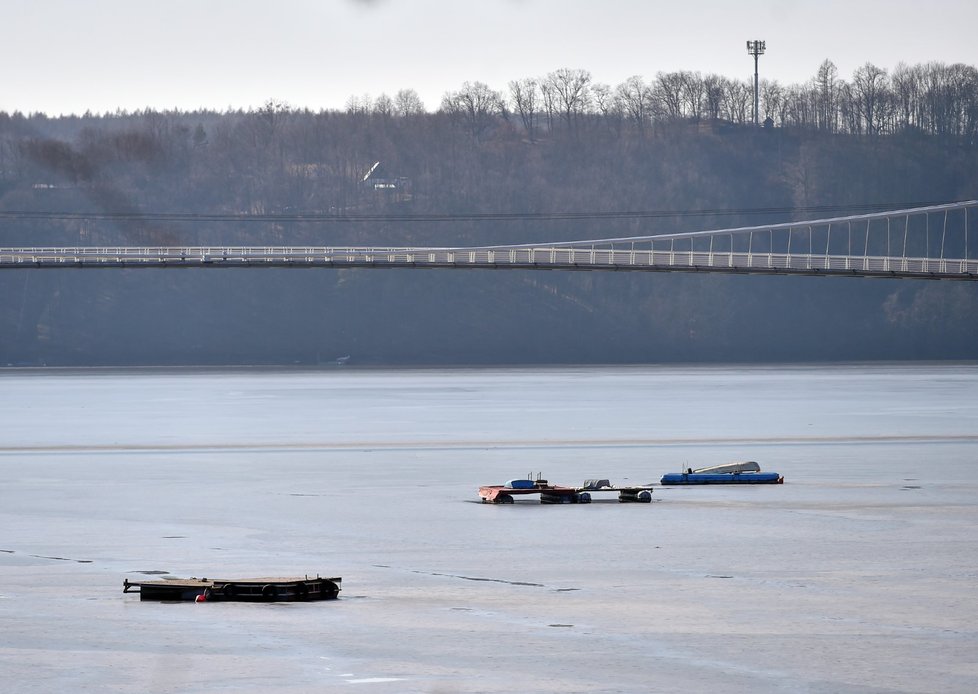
69, 56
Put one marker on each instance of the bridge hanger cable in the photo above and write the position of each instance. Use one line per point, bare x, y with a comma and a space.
930, 242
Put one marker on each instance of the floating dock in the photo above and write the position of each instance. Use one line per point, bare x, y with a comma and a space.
731, 473
238, 589
559, 494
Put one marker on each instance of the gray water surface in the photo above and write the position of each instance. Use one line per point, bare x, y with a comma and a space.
858, 574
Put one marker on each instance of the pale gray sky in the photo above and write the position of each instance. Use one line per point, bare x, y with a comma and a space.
69, 56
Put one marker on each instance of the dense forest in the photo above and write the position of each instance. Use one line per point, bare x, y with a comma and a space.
486, 166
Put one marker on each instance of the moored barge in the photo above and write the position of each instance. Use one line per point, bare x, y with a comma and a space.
560, 494
730, 473
294, 589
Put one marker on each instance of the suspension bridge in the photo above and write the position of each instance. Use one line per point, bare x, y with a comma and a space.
933, 242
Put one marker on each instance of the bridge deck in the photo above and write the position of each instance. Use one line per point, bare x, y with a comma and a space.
535, 258
935, 242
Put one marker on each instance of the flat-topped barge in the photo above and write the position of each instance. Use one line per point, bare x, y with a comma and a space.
730, 473
560, 494
238, 589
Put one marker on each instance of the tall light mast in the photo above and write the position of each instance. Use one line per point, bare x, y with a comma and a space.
756, 49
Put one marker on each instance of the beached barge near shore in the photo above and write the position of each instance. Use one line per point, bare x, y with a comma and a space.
239, 589
559, 494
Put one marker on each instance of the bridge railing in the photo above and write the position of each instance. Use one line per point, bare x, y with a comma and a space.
577, 257
517, 257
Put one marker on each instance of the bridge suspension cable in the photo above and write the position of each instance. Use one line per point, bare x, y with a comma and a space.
930, 242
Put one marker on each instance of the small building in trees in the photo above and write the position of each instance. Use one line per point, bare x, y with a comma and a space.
380, 182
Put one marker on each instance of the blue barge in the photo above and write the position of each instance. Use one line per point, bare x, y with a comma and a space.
731, 473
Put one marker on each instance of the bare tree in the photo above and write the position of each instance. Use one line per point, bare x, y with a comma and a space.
384, 106
359, 104
869, 86
713, 90
607, 106
948, 98
772, 97
885, 114
635, 97
968, 102
907, 85
783, 110
693, 91
738, 101
668, 95
475, 104
549, 96
571, 90
408, 103
525, 95
849, 112
826, 97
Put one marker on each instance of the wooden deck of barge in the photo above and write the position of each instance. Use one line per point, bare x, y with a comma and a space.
266, 589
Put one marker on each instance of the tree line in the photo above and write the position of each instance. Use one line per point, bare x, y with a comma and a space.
933, 98
559, 143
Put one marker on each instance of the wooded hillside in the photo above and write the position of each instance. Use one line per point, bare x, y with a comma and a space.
680, 142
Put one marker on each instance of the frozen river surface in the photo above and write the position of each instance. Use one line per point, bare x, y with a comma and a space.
858, 574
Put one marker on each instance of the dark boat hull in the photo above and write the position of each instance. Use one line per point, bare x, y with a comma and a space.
680, 478
238, 590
